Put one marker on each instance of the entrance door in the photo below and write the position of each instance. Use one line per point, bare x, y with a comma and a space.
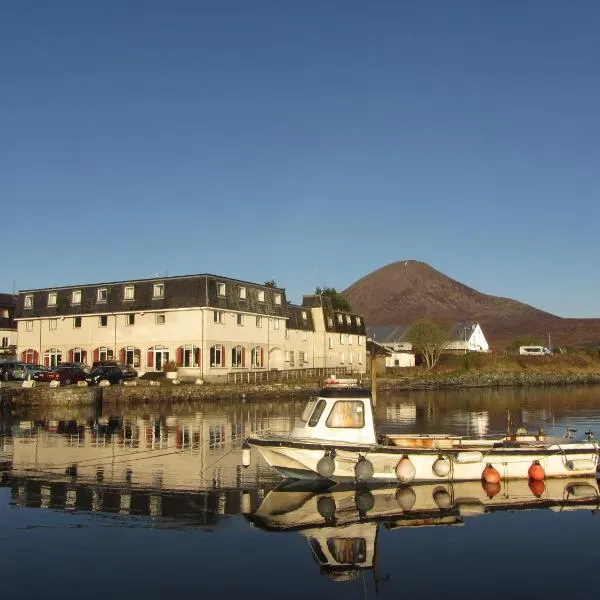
160, 358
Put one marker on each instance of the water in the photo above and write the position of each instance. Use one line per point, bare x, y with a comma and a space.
151, 501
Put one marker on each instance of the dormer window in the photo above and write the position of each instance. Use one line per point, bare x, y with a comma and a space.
340, 319
102, 295
29, 301
52, 299
128, 292
277, 298
261, 295
329, 322
242, 292
348, 320
221, 289
158, 291
358, 320
304, 316
76, 297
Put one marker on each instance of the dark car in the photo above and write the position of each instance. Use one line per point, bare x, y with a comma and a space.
65, 375
77, 365
109, 373
11, 370
128, 371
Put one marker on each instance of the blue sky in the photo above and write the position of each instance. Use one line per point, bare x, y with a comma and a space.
308, 142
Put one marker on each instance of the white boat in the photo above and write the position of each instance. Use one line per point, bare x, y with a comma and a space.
335, 439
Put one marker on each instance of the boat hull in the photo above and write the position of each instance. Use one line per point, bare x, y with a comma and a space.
300, 460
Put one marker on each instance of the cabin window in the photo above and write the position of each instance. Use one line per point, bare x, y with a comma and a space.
308, 409
314, 418
348, 551
346, 414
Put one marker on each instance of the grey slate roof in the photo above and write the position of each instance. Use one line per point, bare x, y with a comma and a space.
388, 334
8, 301
462, 331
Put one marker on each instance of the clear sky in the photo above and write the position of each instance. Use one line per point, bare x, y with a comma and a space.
310, 142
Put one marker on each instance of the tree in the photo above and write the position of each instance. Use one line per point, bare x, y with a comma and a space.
429, 340
271, 283
338, 302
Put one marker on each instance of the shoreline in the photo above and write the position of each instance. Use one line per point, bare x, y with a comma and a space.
166, 392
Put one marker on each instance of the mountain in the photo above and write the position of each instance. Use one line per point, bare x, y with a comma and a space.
404, 291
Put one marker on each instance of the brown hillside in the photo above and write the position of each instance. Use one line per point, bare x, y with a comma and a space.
405, 291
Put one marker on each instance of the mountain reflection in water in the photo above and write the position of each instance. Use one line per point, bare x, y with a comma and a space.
120, 496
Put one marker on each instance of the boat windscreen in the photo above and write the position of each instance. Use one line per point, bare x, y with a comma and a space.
308, 409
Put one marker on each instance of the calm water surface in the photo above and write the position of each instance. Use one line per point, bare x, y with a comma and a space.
151, 501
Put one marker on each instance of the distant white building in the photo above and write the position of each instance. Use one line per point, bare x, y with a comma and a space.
467, 337
393, 338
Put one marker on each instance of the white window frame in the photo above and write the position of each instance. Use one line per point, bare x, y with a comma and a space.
240, 319
160, 318
358, 320
350, 340
102, 295
158, 290
360, 340
75, 326
342, 357
218, 317
242, 293
221, 289
277, 298
100, 317
276, 324
130, 319
348, 320
305, 335
216, 349
255, 356
340, 319
52, 324
301, 357
261, 295
75, 297
259, 321
52, 298
129, 293
304, 315
28, 325
28, 301
329, 322
330, 343
237, 357
342, 338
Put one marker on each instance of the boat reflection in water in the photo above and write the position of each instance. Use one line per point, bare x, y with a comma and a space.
341, 523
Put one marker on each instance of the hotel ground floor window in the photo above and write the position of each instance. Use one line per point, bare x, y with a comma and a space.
188, 356
256, 357
77, 355
157, 357
217, 356
238, 357
30, 356
130, 356
52, 357
103, 353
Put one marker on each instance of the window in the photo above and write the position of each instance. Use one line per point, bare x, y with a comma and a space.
238, 356
276, 324
292, 359
316, 415
52, 357
77, 322
330, 343
78, 355
76, 297
103, 353
242, 292
217, 356
188, 356
350, 357
128, 292
346, 414
130, 319
221, 289
359, 340
240, 319
52, 323
161, 318
28, 325
342, 338
102, 295
102, 320
261, 295
5, 342
304, 315
301, 357
256, 357
348, 320
329, 322
217, 316
52, 299
158, 290
259, 321
277, 298
305, 335
349, 340
131, 356
342, 357
360, 358
29, 301
340, 318
358, 320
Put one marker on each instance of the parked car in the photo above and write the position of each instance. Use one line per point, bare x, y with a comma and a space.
29, 370
128, 371
66, 375
77, 365
109, 373
11, 370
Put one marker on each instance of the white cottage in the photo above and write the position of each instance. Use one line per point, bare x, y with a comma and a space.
467, 337
394, 339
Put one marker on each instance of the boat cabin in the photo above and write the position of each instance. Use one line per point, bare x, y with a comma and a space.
341, 412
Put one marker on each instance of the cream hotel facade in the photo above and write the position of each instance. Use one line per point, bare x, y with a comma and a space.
210, 326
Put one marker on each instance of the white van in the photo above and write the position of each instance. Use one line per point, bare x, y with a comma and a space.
534, 350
